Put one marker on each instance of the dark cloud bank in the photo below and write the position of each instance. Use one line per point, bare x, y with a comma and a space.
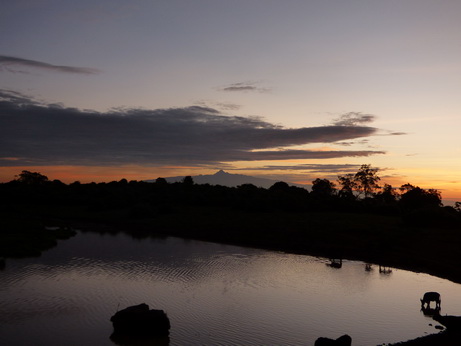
40, 134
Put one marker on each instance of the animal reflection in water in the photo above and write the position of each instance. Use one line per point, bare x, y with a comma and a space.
335, 263
430, 312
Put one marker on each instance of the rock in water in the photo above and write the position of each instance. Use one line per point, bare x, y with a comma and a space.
139, 321
344, 340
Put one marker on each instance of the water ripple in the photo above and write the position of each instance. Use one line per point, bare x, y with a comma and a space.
213, 294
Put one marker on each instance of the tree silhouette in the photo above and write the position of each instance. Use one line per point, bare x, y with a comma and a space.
458, 207
348, 185
416, 197
161, 181
280, 186
387, 195
188, 181
323, 187
32, 178
367, 180
406, 187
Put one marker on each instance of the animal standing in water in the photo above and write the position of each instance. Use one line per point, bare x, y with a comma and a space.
336, 264
430, 297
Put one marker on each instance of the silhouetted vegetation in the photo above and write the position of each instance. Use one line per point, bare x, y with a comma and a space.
351, 218
23, 237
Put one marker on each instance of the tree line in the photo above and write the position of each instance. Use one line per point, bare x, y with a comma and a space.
352, 193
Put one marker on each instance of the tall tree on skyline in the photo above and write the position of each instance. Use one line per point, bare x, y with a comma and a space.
367, 180
348, 185
31, 178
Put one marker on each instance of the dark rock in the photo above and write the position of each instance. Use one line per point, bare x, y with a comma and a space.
344, 340
139, 321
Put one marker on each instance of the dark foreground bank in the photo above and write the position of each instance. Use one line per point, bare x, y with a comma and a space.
451, 336
440, 339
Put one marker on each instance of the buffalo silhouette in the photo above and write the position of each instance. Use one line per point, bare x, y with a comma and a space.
430, 297
334, 263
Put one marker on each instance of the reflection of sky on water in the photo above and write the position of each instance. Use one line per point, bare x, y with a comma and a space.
213, 294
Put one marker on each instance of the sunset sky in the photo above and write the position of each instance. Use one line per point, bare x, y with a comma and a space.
290, 90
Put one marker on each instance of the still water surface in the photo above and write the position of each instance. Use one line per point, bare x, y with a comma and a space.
213, 294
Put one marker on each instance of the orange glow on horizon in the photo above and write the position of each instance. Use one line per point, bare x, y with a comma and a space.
98, 174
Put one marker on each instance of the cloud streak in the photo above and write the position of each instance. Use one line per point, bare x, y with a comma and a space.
7, 61
243, 87
313, 168
353, 119
40, 134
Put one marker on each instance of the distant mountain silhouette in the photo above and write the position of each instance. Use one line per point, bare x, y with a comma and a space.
228, 179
